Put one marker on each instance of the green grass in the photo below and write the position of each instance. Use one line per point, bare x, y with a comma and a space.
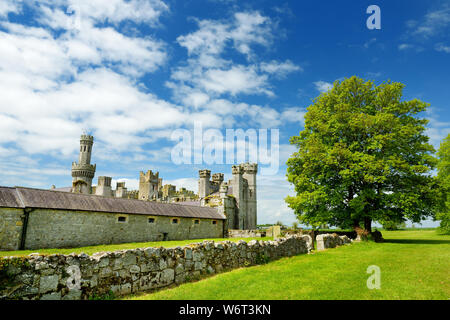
123, 246
414, 265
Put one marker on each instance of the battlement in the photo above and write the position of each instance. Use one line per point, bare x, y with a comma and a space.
251, 168
237, 169
217, 177
83, 170
204, 173
87, 139
149, 176
120, 185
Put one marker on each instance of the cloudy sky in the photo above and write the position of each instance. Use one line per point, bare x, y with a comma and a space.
133, 72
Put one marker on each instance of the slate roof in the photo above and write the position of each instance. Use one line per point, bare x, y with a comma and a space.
189, 203
20, 197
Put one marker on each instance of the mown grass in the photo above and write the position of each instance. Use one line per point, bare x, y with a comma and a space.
414, 265
123, 246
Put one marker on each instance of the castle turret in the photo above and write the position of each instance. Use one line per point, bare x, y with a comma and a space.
204, 183
83, 172
250, 171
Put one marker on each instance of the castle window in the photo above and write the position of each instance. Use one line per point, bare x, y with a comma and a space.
122, 219
175, 221
151, 220
85, 148
214, 222
196, 221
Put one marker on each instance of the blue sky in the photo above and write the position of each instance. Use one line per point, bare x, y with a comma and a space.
133, 72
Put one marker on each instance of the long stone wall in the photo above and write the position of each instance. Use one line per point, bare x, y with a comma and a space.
73, 277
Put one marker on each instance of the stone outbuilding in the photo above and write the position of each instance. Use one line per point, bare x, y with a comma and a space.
35, 219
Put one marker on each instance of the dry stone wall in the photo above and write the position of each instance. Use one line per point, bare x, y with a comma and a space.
73, 277
326, 241
236, 233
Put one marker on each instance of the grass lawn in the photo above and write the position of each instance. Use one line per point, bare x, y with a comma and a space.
414, 265
123, 246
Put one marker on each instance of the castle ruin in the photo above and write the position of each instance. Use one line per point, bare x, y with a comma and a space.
235, 198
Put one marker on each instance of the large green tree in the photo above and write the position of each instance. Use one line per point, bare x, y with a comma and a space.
444, 183
363, 156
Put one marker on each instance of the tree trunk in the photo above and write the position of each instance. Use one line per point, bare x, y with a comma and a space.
368, 224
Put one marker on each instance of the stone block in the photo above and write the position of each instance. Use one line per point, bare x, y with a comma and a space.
167, 276
135, 269
48, 283
73, 294
52, 296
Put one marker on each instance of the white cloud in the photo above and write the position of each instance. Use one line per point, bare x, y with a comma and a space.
368, 43
9, 6
443, 48
437, 130
280, 69
60, 13
294, 114
210, 70
244, 30
323, 86
237, 79
432, 23
405, 46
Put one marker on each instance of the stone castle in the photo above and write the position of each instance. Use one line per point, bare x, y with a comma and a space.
151, 187
236, 199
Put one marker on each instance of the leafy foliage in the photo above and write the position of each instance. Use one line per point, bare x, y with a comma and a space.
444, 183
363, 156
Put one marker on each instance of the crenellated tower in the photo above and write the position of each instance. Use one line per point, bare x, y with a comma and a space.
149, 185
237, 186
104, 187
83, 172
250, 171
204, 183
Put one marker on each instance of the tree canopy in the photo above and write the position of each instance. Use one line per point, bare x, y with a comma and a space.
363, 156
443, 177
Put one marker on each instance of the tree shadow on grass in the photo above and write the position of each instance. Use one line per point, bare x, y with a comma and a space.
416, 241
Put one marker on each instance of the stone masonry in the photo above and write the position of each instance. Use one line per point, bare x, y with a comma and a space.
74, 277
325, 241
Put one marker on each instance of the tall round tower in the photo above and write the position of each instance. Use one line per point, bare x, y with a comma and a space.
86, 143
83, 172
